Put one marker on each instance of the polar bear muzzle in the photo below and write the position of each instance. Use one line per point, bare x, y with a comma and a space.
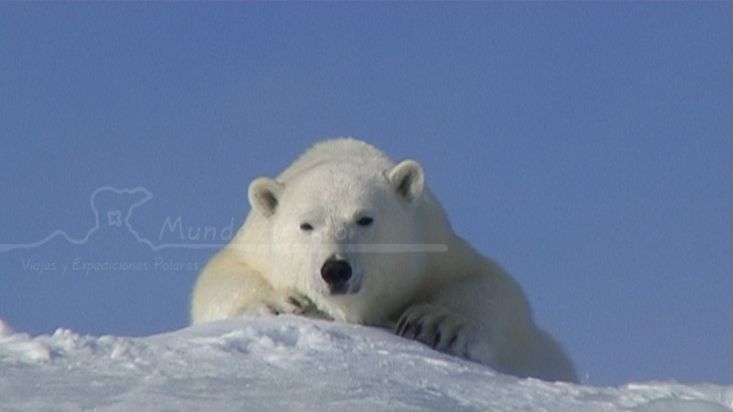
336, 273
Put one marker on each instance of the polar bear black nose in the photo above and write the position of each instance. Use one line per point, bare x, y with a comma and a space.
336, 273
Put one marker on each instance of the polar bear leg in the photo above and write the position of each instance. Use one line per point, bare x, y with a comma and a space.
228, 288
466, 319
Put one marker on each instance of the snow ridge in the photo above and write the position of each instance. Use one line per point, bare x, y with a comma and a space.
291, 363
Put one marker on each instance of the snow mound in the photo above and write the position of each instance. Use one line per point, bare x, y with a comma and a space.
293, 364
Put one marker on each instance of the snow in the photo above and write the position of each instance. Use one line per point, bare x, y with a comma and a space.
289, 363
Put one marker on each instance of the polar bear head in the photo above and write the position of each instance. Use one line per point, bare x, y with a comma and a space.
346, 236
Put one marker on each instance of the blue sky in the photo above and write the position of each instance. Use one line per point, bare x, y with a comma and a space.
586, 147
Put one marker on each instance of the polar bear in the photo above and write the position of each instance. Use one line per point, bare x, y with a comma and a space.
347, 234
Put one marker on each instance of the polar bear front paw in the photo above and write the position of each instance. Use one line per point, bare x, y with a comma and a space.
435, 326
284, 303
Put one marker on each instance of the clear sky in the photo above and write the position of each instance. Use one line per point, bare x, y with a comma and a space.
585, 146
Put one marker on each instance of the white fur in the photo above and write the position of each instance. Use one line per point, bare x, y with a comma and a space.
409, 269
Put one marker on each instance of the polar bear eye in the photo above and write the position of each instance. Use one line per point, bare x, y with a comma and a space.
365, 221
306, 227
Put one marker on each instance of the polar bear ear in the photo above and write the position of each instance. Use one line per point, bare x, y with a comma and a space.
264, 194
408, 179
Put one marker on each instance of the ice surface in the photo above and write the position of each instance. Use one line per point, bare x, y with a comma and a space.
293, 364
